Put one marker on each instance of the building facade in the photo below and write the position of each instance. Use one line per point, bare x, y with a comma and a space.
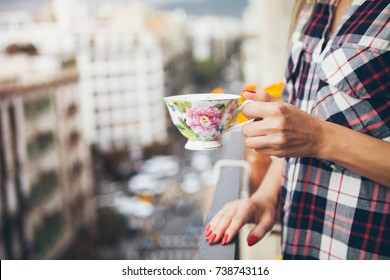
121, 70
265, 41
46, 181
122, 83
214, 38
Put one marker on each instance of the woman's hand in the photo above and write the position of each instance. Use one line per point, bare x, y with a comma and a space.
234, 215
281, 129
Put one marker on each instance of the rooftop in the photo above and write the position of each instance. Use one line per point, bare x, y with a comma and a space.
17, 79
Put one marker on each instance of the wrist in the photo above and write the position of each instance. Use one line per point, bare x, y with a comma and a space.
259, 197
335, 142
326, 137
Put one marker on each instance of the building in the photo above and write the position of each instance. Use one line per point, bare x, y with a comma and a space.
122, 83
46, 182
120, 64
47, 36
121, 70
214, 38
171, 29
265, 41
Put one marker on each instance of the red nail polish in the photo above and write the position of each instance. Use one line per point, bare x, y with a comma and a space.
224, 239
249, 90
212, 238
208, 227
208, 233
252, 239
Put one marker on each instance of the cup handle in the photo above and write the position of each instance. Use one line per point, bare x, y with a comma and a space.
243, 123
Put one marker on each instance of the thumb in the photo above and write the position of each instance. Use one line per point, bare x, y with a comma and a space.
258, 232
259, 96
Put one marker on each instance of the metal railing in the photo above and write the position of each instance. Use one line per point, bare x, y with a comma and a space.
232, 174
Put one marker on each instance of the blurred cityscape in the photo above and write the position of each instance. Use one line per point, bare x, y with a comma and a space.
90, 165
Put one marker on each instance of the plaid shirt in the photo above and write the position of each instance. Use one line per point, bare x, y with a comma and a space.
328, 211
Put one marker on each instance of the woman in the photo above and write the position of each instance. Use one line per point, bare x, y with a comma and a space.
330, 136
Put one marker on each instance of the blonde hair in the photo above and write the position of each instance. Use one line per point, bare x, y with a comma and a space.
297, 9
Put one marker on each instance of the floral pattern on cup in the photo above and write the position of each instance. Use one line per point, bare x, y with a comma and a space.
203, 121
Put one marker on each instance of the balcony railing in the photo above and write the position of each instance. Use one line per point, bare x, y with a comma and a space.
233, 173
228, 187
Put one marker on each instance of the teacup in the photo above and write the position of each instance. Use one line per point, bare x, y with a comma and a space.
203, 117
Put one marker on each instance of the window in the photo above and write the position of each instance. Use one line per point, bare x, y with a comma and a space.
74, 138
43, 187
40, 144
75, 171
72, 110
48, 232
35, 107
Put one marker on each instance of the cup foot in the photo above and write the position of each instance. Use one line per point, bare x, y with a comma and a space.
202, 146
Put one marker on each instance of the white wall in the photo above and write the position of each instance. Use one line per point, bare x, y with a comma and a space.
266, 25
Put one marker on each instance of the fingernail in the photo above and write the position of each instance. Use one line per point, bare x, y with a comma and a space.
224, 239
208, 227
249, 90
208, 233
212, 238
252, 239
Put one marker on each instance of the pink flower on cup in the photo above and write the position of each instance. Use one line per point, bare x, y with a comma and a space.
203, 119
